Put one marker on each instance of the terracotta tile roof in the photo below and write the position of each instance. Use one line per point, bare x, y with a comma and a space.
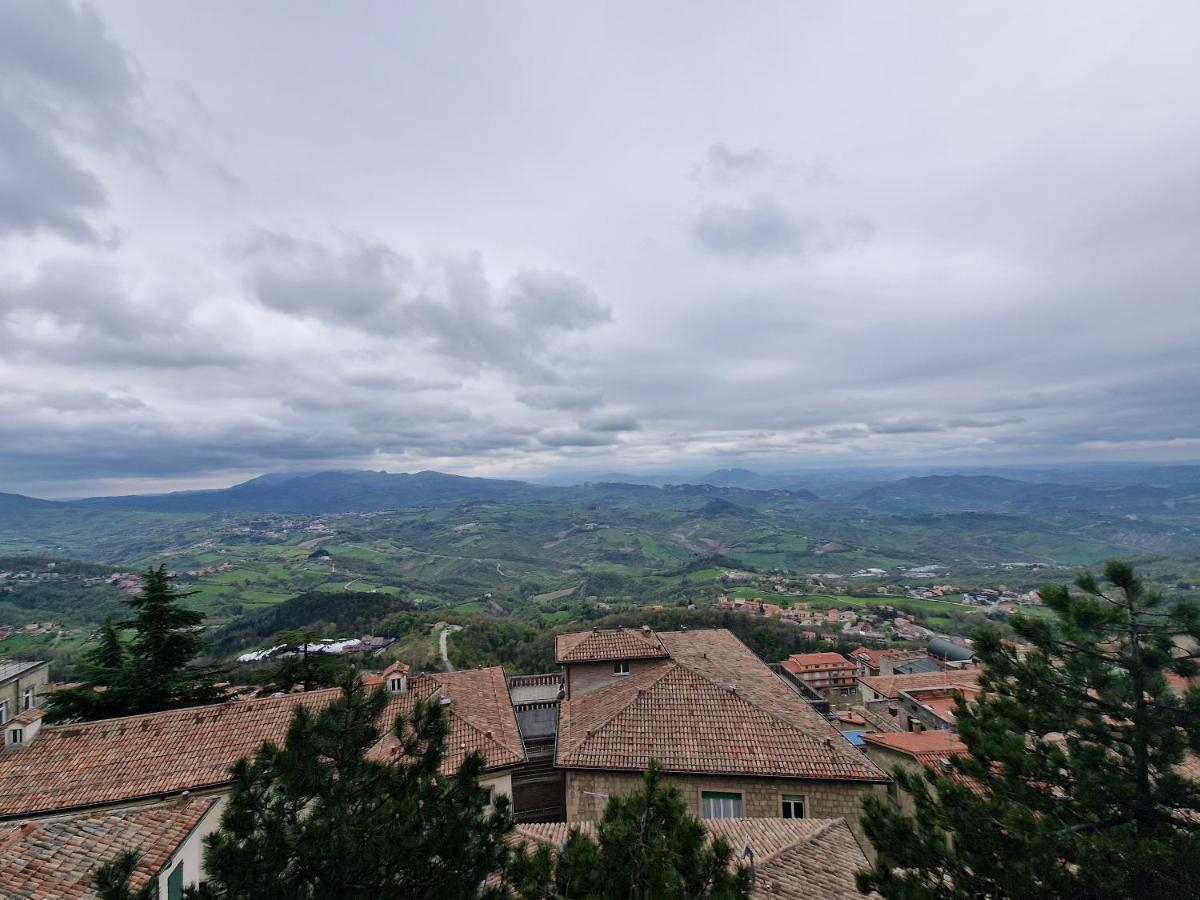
115, 760
794, 859
57, 858
481, 716
599, 646
891, 685
799, 662
874, 657
914, 743
29, 715
713, 707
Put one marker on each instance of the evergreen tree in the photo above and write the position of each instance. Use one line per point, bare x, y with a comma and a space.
1072, 785
111, 880
317, 818
298, 666
153, 671
647, 848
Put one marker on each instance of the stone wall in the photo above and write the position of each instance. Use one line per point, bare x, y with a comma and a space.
584, 678
12, 692
588, 792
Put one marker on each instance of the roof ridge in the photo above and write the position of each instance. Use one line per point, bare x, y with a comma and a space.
858, 757
820, 832
669, 666
225, 704
485, 734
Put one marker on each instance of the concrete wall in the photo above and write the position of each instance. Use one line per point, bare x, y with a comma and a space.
584, 678
588, 792
36, 678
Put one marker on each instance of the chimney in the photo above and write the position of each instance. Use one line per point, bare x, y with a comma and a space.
645, 629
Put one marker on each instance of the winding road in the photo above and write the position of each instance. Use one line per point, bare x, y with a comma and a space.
442, 638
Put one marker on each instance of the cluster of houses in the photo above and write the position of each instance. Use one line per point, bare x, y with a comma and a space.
752, 755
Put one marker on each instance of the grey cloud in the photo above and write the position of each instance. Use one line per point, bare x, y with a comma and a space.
357, 283
611, 423
82, 313
546, 300
561, 397
364, 285
576, 438
64, 83
724, 166
762, 227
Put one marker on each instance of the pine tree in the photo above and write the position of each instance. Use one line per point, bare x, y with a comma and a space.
647, 848
1071, 786
298, 666
317, 818
153, 671
111, 880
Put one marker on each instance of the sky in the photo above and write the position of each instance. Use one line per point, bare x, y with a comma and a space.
523, 238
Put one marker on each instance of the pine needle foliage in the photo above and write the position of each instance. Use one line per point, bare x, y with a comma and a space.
647, 848
317, 817
151, 671
1074, 783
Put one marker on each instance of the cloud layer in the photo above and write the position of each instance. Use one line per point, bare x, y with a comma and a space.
528, 240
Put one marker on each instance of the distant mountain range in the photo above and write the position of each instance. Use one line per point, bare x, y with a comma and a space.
330, 492
1179, 486
1171, 488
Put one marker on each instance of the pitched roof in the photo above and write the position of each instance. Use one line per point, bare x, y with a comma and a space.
713, 707
794, 859
115, 760
891, 685
481, 717
599, 646
58, 857
914, 743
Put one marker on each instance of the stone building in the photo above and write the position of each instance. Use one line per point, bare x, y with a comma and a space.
23, 687
730, 733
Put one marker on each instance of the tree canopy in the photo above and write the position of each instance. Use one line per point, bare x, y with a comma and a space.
317, 818
1073, 783
647, 847
153, 670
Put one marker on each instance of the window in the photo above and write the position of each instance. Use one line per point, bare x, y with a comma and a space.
16, 735
793, 806
27, 698
3, 711
621, 668
396, 685
720, 805
489, 794
846, 692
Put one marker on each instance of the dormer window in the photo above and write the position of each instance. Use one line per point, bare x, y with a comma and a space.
621, 668
398, 684
16, 736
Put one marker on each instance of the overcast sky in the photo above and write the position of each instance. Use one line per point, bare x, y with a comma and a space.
513, 238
